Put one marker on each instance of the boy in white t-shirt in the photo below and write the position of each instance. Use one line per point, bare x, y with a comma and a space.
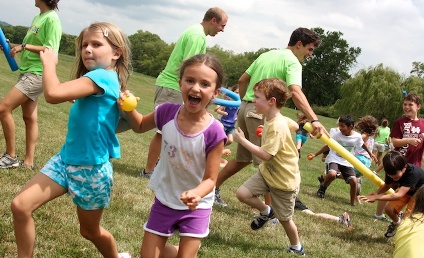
350, 140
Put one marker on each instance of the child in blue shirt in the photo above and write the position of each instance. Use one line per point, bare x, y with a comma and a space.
82, 168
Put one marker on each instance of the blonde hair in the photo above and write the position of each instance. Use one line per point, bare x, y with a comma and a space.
301, 118
273, 88
117, 40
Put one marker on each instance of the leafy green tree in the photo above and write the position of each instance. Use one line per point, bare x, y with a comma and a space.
15, 34
418, 69
149, 53
67, 44
415, 84
234, 65
376, 91
328, 68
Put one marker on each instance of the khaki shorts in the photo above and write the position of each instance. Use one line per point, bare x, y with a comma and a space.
31, 85
248, 121
163, 95
282, 201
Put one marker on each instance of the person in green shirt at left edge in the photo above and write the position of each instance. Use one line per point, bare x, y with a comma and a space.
45, 32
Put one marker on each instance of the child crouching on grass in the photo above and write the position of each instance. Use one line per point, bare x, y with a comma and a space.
406, 178
279, 172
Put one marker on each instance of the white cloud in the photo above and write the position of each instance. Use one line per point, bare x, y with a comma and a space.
388, 32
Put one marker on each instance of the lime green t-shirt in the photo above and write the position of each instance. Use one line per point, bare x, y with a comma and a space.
45, 30
190, 43
280, 63
282, 170
383, 134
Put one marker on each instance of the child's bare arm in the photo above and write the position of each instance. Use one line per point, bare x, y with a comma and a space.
386, 197
137, 121
57, 92
372, 156
256, 150
293, 126
404, 141
221, 111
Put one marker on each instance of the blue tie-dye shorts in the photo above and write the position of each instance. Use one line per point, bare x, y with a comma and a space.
89, 186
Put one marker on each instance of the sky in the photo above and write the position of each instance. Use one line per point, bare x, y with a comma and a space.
390, 32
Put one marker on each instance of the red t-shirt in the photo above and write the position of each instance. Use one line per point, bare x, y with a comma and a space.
406, 128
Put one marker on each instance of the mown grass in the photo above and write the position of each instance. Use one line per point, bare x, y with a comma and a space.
230, 233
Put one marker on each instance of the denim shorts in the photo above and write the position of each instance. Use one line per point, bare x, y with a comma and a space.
89, 186
229, 130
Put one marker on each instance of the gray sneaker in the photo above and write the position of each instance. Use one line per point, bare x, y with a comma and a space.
6, 161
145, 174
391, 230
382, 217
218, 200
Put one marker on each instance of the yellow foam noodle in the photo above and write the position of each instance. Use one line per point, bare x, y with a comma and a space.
349, 157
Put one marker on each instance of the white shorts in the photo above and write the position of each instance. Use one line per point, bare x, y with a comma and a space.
380, 147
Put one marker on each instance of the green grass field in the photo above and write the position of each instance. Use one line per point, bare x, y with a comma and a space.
230, 234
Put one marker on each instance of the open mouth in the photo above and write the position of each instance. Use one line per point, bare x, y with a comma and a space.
193, 100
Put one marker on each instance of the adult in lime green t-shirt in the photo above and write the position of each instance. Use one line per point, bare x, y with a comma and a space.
191, 42
284, 64
45, 32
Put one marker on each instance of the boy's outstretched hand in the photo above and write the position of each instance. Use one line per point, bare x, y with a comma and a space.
368, 198
238, 135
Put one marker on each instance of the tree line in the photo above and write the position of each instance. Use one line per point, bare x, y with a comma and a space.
327, 82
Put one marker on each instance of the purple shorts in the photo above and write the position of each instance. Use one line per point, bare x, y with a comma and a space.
163, 221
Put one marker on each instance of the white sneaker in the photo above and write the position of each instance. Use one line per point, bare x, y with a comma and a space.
6, 161
382, 217
345, 220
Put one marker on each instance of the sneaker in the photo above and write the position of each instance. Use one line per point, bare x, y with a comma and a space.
8, 162
261, 220
274, 221
124, 255
382, 217
391, 230
345, 220
321, 179
145, 174
218, 200
321, 192
400, 215
300, 252
299, 205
